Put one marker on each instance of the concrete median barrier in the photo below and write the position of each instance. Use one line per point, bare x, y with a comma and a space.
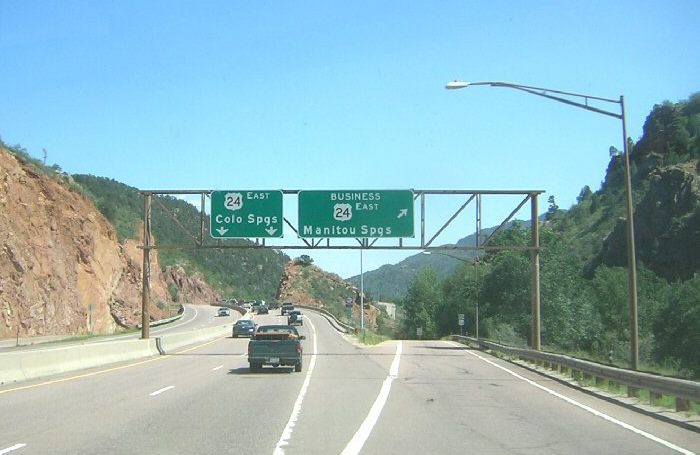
39, 363
174, 341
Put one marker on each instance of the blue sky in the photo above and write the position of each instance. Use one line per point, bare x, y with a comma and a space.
338, 95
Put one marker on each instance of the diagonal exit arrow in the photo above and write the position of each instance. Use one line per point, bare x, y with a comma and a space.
222, 230
271, 230
402, 213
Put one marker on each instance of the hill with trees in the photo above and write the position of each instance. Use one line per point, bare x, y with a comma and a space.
583, 272
390, 282
240, 273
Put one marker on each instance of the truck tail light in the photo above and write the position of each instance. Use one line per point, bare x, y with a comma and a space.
299, 348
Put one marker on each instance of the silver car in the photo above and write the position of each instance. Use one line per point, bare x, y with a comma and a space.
224, 311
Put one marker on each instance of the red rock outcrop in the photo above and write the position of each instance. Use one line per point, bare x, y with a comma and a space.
300, 285
62, 269
191, 288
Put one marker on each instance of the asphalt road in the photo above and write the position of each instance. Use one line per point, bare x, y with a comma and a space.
193, 317
405, 397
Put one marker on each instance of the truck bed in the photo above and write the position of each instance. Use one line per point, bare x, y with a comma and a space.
275, 345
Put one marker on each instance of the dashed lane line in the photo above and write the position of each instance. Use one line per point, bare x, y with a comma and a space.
107, 370
10, 449
159, 391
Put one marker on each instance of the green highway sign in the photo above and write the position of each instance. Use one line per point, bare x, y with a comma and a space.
356, 213
245, 214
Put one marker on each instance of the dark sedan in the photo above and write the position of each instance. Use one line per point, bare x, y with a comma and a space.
243, 328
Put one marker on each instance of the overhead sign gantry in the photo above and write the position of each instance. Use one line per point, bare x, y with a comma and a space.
327, 219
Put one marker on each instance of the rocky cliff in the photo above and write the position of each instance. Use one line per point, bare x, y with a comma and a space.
667, 225
62, 270
191, 288
306, 284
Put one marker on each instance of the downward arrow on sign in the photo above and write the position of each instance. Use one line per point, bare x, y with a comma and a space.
271, 230
222, 230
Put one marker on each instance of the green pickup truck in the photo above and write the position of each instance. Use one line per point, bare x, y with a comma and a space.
275, 345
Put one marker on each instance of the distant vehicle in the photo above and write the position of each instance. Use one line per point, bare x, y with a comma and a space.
246, 306
263, 309
275, 345
295, 317
286, 308
224, 311
233, 302
243, 328
255, 305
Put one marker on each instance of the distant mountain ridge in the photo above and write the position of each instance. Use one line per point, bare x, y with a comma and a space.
390, 282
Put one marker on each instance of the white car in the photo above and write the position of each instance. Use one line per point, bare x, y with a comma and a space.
224, 311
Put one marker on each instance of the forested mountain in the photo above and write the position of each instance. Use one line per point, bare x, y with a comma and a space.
583, 261
240, 273
390, 282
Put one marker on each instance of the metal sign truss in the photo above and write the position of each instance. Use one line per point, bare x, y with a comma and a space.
425, 241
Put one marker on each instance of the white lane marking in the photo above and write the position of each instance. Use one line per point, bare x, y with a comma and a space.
179, 323
287, 433
243, 355
624, 425
217, 368
108, 370
10, 449
159, 391
360, 437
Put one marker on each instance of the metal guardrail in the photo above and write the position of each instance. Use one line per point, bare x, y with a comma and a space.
240, 309
683, 390
179, 314
343, 327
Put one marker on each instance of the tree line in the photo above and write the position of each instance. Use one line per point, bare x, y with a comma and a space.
583, 276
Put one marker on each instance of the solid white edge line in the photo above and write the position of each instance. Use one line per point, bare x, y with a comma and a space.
217, 368
180, 323
360, 437
10, 449
296, 409
610, 419
159, 391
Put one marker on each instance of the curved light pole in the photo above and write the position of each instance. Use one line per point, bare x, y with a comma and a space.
475, 263
556, 95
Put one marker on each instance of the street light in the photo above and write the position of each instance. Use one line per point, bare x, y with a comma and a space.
631, 255
476, 282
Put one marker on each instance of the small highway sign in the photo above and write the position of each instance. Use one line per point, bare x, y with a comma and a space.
356, 213
460, 318
246, 214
